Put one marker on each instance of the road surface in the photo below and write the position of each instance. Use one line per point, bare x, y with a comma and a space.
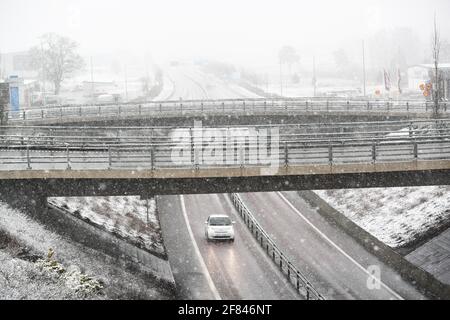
335, 263
338, 266
215, 270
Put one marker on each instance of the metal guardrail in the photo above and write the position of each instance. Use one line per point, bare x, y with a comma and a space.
293, 274
103, 153
222, 107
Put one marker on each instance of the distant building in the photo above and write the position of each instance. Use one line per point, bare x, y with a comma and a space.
420, 75
17, 64
21, 92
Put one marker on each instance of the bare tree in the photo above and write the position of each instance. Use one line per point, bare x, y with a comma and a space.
56, 58
436, 47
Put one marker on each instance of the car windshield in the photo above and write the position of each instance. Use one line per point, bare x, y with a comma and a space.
219, 221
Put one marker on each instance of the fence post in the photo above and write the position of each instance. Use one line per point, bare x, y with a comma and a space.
286, 155
201, 104
181, 107
140, 111
265, 106
192, 147
407, 106
24, 113
160, 107
42, 113
374, 152
328, 106
60, 113
223, 107
28, 158
348, 105
416, 153
68, 158
244, 106
330, 153
109, 158
307, 292
152, 157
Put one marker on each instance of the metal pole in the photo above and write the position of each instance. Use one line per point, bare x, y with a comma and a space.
364, 68
109, 158
68, 158
126, 84
28, 158
314, 76
281, 78
92, 81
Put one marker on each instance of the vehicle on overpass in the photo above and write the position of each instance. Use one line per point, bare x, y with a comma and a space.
219, 227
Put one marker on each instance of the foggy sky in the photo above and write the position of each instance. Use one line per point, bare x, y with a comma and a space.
233, 30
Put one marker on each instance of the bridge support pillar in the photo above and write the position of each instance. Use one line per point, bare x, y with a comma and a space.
32, 201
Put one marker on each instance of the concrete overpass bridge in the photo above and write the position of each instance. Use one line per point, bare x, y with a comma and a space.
228, 111
58, 162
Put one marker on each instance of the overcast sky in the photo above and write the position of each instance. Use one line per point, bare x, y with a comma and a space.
234, 30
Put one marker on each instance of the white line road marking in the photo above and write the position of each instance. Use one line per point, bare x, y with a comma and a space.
197, 251
395, 294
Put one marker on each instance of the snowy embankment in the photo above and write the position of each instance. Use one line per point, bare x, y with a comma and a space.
36, 263
125, 217
396, 216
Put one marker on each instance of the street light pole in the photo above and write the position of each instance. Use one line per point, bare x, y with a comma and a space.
126, 84
92, 81
364, 68
281, 78
314, 76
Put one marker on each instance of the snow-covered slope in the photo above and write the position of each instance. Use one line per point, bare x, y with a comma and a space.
124, 216
396, 216
24, 241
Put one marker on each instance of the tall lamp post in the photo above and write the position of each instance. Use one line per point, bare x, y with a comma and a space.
364, 68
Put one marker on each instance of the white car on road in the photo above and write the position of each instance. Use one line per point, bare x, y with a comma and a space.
219, 227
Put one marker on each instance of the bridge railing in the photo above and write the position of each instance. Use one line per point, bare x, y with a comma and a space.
293, 274
309, 132
140, 155
223, 107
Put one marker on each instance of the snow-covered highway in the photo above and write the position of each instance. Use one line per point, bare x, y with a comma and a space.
337, 265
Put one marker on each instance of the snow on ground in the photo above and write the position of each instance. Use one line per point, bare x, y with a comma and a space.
124, 216
395, 216
26, 272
